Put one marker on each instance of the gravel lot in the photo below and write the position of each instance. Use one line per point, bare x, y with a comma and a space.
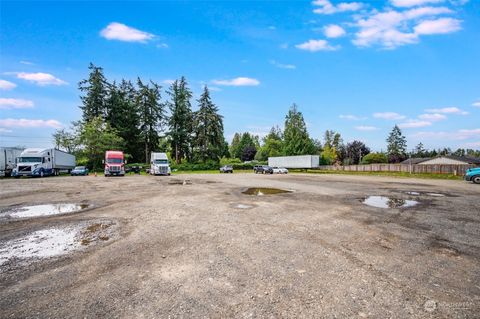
195, 246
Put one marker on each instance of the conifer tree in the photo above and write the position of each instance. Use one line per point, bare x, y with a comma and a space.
296, 138
208, 129
396, 146
95, 90
180, 122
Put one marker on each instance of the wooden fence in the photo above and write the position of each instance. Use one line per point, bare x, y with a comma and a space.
453, 169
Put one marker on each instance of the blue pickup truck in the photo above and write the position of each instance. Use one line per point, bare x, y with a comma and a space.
473, 175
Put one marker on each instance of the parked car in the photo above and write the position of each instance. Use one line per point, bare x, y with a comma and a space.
226, 169
263, 169
280, 170
79, 170
473, 175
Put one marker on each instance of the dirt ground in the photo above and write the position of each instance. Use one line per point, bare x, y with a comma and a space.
194, 246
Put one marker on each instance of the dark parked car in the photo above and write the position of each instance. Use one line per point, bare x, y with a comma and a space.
263, 169
79, 170
226, 169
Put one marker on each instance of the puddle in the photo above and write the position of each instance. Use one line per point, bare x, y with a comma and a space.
40, 244
388, 202
180, 182
413, 193
260, 191
427, 194
242, 206
436, 194
43, 210
54, 242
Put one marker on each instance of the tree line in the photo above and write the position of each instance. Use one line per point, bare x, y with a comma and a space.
294, 140
133, 117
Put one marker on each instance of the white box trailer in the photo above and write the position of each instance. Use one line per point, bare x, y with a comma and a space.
43, 162
8, 159
300, 161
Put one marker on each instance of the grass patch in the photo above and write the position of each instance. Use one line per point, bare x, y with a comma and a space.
389, 174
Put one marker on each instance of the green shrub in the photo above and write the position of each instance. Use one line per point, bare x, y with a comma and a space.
374, 158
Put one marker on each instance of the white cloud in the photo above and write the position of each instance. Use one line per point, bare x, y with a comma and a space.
316, 45
168, 82
4, 130
326, 7
162, 46
392, 29
447, 110
389, 116
334, 31
40, 78
352, 117
26, 123
214, 89
240, 81
414, 124
432, 117
27, 62
366, 128
7, 85
412, 3
272, 27
438, 26
472, 145
9, 103
283, 66
462, 134
122, 32
476, 104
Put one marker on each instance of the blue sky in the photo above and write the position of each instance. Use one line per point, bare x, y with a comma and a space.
355, 67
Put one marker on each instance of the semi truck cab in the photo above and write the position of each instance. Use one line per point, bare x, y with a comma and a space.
159, 164
42, 162
114, 163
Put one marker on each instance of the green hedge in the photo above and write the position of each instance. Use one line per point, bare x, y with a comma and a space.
213, 166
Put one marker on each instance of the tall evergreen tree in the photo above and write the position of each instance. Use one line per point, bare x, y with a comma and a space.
296, 138
208, 129
396, 146
180, 122
95, 90
235, 146
151, 115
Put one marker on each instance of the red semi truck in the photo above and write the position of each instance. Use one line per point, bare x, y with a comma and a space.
114, 163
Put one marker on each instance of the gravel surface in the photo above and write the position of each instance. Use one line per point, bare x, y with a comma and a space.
194, 246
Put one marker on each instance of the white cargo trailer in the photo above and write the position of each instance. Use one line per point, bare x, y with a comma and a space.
43, 162
8, 159
300, 161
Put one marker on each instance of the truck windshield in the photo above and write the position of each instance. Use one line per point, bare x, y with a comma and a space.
29, 159
114, 161
161, 161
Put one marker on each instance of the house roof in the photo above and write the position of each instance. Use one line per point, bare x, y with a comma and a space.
466, 159
415, 160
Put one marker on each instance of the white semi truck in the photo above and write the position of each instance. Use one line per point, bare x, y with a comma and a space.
43, 162
300, 161
159, 164
8, 159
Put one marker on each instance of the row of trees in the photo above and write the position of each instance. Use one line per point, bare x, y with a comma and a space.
294, 140
134, 118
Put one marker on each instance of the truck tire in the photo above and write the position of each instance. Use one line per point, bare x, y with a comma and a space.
476, 179
41, 173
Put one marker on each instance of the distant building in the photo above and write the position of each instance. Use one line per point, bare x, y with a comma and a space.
443, 160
